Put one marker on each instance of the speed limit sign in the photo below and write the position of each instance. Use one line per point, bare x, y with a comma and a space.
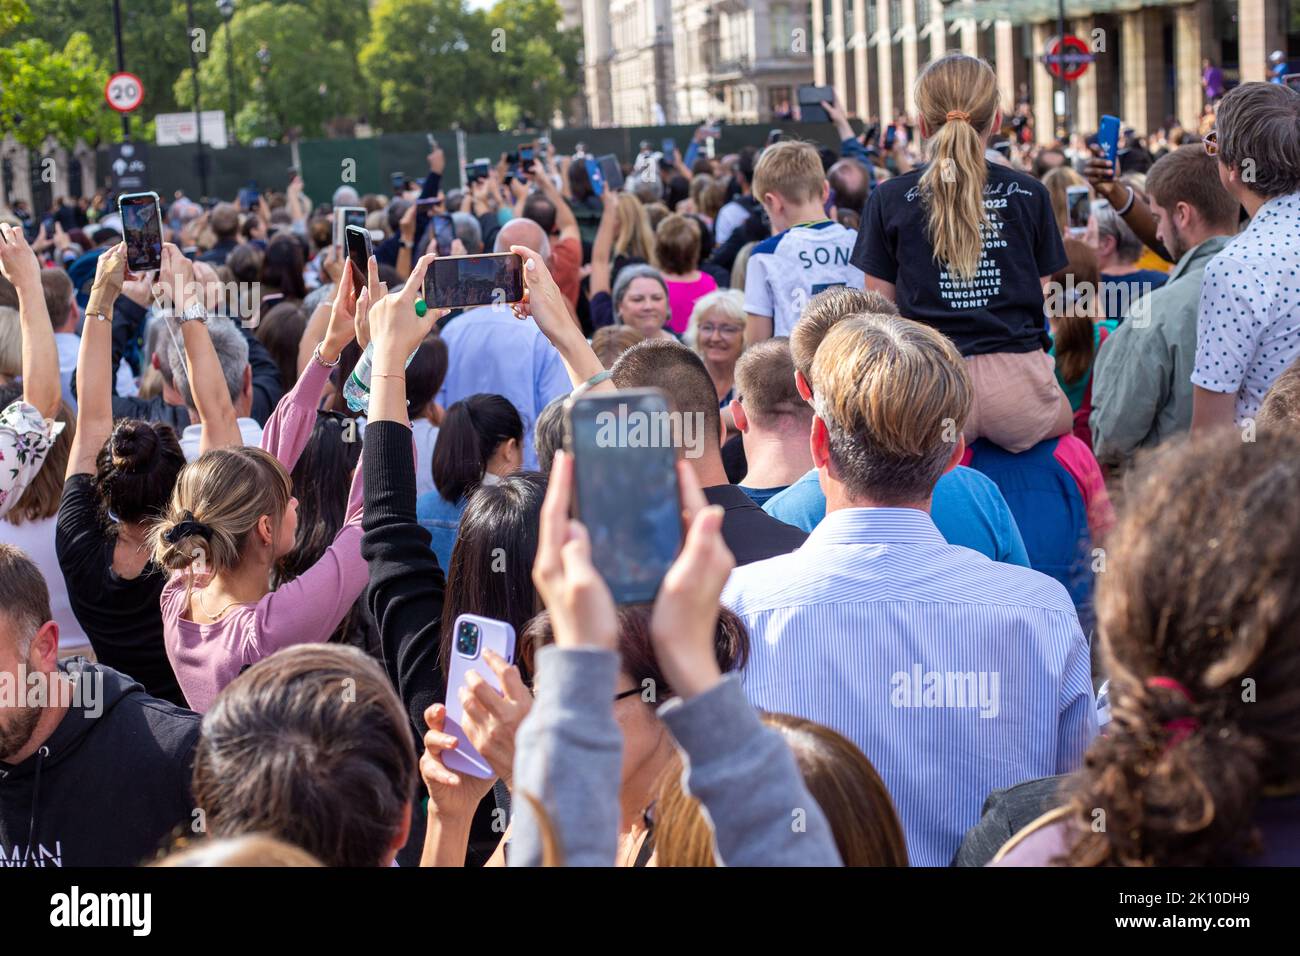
124, 92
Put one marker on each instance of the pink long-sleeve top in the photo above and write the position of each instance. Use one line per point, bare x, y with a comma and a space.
206, 657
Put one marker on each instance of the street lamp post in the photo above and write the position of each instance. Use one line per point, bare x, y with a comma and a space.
121, 63
198, 110
227, 9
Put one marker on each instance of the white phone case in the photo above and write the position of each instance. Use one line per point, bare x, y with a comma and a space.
500, 637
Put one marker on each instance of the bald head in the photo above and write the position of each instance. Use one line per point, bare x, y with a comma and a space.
851, 182
523, 232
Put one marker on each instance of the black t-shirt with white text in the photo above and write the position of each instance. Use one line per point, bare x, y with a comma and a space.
1001, 309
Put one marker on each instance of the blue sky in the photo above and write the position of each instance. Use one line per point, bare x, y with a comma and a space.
481, 4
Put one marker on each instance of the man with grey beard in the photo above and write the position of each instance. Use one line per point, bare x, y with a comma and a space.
93, 771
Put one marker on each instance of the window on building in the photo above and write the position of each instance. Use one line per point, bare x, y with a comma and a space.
782, 29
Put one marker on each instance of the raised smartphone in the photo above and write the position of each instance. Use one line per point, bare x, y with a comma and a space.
473, 635
1079, 207
611, 171
811, 99
444, 233
457, 282
1108, 137
142, 229
345, 216
624, 447
359, 253
594, 174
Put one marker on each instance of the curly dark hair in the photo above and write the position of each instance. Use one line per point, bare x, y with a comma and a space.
1202, 588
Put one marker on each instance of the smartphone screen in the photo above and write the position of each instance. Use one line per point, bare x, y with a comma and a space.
399, 182
1077, 202
611, 171
670, 149
345, 216
142, 229
625, 478
457, 282
595, 176
359, 252
444, 232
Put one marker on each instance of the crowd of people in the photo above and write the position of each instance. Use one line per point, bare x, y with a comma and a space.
991, 535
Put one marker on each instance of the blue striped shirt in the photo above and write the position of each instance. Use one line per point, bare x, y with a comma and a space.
954, 674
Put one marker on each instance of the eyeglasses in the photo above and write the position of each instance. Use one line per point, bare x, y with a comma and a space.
725, 330
1211, 142
626, 693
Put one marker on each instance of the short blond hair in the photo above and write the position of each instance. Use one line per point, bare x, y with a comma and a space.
792, 170
821, 314
894, 395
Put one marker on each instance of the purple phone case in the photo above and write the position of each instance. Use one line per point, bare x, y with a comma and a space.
500, 637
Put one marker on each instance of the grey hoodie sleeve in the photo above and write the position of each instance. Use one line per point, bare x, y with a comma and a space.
746, 778
569, 756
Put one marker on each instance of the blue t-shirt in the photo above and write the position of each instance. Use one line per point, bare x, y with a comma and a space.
967, 508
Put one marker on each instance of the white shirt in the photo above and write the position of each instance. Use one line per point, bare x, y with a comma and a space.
425, 434
730, 218
1248, 325
36, 539
790, 268
249, 430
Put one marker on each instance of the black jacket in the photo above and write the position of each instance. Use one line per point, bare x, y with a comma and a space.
110, 785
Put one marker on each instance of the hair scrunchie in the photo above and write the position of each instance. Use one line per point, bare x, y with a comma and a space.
958, 115
187, 527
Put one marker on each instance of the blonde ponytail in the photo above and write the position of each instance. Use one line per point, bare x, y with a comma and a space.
958, 97
215, 506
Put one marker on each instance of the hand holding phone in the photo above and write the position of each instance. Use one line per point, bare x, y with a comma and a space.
470, 679
1079, 207
359, 253
625, 441
1108, 138
457, 282
142, 229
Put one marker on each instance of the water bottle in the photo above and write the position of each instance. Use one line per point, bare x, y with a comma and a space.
356, 390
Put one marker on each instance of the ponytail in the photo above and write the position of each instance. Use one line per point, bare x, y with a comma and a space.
958, 96
216, 505
471, 431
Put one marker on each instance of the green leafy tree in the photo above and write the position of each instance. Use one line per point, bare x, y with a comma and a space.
46, 91
286, 82
538, 72
12, 13
155, 42
430, 65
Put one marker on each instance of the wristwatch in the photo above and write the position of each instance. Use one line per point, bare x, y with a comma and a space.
193, 312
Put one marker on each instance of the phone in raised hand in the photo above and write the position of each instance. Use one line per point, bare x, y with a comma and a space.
1079, 207
359, 253
624, 447
457, 282
142, 229
472, 636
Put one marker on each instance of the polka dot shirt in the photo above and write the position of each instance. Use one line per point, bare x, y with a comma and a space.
1248, 328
